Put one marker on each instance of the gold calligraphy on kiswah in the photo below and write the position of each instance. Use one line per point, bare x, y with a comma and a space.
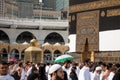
94, 5
113, 12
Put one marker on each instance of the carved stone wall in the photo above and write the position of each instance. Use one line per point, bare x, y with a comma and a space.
108, 56
105, 56
88, 28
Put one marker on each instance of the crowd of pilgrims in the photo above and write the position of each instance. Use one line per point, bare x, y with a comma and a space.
69, 70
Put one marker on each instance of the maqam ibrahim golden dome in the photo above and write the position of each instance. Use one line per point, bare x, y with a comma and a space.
35, 43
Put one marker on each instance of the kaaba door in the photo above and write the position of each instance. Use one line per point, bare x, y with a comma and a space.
87, 32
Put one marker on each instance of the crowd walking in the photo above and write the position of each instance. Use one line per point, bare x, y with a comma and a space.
68, 70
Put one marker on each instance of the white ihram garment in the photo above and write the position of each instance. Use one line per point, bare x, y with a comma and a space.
95, 76
84, 74
111, 75
6, 77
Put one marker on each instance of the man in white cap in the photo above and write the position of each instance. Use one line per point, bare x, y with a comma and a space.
96, 74
56, 72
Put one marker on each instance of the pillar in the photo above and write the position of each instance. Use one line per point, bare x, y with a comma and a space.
92, 56
8, 56
52, 56
19, 56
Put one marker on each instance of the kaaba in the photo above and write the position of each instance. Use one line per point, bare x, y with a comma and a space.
89, 17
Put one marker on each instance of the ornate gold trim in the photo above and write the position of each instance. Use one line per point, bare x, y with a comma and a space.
94, 5
113, 12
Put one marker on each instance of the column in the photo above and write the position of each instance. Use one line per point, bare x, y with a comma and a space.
20, 56
8, 56
52, 56
92, 56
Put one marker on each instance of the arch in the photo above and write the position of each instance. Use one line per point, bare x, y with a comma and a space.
53, 38
4, 37
47, 51
15, 54
56, 54
4, 50
47, 56
15, 51
25, 36
4, 54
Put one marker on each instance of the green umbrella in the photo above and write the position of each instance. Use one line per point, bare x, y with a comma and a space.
63, 58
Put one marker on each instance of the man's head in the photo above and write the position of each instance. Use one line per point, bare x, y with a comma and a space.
98, 70
56, 72
3, 68
103, 66
86, 62
67, 64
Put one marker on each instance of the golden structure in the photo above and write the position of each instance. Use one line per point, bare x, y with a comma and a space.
33, 53
21, 48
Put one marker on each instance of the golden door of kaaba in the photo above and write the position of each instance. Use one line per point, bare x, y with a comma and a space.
87, 32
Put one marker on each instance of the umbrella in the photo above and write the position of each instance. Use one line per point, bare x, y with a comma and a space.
63, 58
13, 59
